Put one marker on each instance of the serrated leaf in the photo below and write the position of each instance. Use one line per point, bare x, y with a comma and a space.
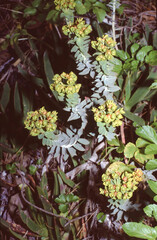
153, 186
148, 133
151, 165
151, 149
129, 150
151, 211
139, 230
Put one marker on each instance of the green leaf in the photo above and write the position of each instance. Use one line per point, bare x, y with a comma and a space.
48, 68
101, 217
72, 198
151, 211
148, 133
5, 96
27, 101
53, 14
32, 169
153, 186
134, 48
155, 198
61, 199
100, 13
134, 117
43, 186
151, 149
151, 165
63, 208
141, 157
129, 150
17, 101
100, 5
139, 230
143, 52
134, 65
56, 184
48, 207
140, 142
66, 180
39, 229
138, 96
114, 142
152, 58
18, 236
80, 8
36, 3
29, 11
122, 55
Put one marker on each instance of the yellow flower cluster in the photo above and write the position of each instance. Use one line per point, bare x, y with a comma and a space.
78, 28
105, 46
65, 84
108, 113
120, 185
40, 121
63, 4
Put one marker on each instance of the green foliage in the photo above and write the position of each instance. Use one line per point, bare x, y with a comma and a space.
145, 146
